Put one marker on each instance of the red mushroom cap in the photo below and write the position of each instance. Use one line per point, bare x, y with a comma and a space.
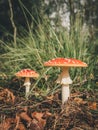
67, 62
27, 73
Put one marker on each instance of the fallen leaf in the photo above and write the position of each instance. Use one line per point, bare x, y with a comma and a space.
79, 100
92, 105
24, 116
39, 117
6, 124
7, 96
20, 127
46, 114
50, 97
34, 125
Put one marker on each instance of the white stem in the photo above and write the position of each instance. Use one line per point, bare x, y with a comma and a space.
27, 86
27, 90
65, 80
64, 77
65, 93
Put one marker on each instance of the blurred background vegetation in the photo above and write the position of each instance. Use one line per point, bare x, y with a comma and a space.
34, 31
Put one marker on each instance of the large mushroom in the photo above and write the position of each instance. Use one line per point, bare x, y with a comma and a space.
64, 78
27, 74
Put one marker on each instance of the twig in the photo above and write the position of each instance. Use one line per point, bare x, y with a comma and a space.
12, 21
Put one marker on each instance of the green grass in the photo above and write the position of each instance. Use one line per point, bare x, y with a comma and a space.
31, 51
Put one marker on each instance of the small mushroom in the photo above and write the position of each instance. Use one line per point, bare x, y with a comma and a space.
64, 78
27, 74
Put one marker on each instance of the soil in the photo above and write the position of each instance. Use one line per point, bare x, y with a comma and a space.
39, 112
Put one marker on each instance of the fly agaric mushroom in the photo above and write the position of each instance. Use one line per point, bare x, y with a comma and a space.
64, 78
27, 74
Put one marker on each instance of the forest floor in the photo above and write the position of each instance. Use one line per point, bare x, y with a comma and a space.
47, 112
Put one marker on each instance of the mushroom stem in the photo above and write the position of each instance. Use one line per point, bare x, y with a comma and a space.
65, 80
65, 93
27, 86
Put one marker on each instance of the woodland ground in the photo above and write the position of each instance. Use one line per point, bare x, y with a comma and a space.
46, 112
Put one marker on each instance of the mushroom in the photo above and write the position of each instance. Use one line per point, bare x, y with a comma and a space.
27, 74
64, 78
